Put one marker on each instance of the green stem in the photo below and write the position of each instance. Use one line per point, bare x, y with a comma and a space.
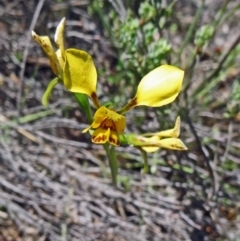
112, 159
83, 102
145, 159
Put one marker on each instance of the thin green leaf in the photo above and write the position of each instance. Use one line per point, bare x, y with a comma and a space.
48, 91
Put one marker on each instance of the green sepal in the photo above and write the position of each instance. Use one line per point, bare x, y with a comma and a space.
131, 139
48, 91
83, 102
134, 140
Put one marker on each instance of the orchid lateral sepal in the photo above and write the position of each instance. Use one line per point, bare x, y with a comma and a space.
47, 47
168, 143
151, 142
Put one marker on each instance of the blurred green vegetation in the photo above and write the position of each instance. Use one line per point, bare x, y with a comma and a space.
146, 34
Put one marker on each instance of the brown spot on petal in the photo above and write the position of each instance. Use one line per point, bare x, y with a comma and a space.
113, 141
99, 138
108, 124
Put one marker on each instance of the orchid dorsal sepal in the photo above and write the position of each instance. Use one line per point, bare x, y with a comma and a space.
48, 91
80, 75
159, 87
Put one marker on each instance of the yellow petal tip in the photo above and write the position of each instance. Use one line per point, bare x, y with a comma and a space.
177, 127
34, 35
59, 29
86, 129
173, 144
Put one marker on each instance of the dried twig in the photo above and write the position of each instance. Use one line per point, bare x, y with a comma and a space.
25, 54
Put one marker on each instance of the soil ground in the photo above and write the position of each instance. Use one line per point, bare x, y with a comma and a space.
53, 183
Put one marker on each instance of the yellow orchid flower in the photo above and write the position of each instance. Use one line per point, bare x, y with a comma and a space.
76, 70
151, 142
159, 87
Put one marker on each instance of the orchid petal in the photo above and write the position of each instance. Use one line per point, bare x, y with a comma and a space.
80, 74
159, 87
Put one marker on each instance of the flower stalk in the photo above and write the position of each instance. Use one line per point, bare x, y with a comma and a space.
112, 161
145, 169
83, 102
